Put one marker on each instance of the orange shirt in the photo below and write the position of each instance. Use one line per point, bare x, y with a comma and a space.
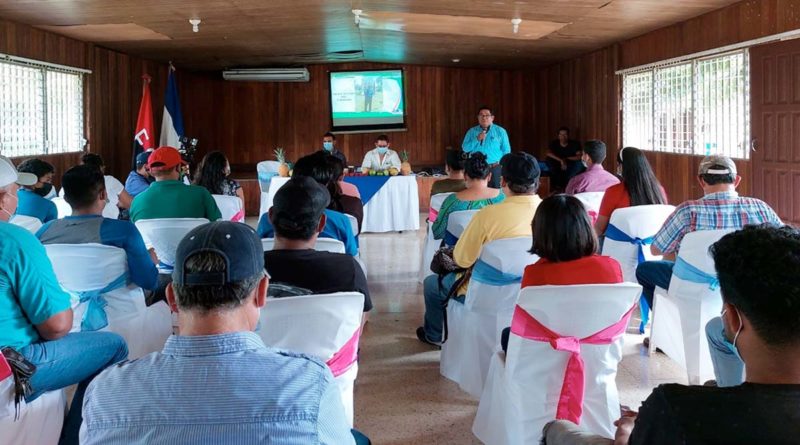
594, 269
617, 197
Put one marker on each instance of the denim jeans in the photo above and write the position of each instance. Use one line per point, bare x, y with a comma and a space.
728, 367
651, 274
435, 304
74, 358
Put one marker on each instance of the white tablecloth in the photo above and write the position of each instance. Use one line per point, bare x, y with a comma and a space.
394, 208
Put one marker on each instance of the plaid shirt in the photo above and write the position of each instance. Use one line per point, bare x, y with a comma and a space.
722, 210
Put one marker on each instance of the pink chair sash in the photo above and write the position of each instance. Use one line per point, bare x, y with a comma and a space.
432, 214
239, 216
5, 368
346, 357
570, 402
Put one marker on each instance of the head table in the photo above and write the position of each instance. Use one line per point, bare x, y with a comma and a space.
391, 203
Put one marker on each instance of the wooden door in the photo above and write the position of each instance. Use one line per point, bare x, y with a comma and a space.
775, 124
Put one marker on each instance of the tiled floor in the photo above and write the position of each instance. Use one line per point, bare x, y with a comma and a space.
400, 398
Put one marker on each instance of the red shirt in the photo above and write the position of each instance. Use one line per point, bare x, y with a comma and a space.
617, 197
594, 269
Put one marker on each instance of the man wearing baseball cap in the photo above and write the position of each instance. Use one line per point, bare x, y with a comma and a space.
719, 208
509, 219
217, 382
36, 314
139, 179
168, 197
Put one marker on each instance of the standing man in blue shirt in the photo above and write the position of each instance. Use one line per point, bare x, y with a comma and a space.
216, 382
85, 190
489, 139
36, 314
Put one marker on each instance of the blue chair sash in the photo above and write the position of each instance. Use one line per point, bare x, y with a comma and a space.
95, 317
614, 233
265, 178
687, 272
450, 239
486, 274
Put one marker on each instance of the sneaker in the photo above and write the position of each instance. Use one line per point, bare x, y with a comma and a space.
424, 338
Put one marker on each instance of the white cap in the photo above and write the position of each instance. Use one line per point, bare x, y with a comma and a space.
10, 175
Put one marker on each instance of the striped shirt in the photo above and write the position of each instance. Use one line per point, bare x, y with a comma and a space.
216, 389
722, 210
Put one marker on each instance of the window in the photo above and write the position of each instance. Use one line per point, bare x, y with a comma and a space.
41, 109
698, 107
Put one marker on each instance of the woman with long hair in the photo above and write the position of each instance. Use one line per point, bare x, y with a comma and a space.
477, 195
567, 246
212, 173
639, 187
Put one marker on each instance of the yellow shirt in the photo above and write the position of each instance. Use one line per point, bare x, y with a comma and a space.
508, 219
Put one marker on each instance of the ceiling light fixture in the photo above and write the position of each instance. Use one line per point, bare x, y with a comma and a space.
456, 60
195, 25
357, 13
515, 24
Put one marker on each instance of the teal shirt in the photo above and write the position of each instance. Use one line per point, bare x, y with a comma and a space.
174, 199
494, 146
453, 204
31, 204
29, 290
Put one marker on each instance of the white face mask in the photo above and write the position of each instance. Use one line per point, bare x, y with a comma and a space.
732, 344
3, 209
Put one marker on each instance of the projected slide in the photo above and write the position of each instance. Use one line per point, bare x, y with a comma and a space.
364, 100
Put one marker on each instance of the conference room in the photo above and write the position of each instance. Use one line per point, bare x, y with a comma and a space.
446, 222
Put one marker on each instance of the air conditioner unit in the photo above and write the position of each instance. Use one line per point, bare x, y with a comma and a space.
267, 74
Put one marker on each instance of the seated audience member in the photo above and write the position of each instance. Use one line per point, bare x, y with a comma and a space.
347, 188
454, 167
139, 179
213, 172
565, 242
36, 316
329, 146
34, 199
381, 158
563, 159
757, 269
340, 201
476, 196
298, 216
719, 208
168, 197
595, 178
639, 187
337, 226
114, 189
84, 191
217, 382
508, 219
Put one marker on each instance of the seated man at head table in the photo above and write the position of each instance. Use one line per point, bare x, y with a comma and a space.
381, 158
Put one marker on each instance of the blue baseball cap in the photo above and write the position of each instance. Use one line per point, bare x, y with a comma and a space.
141, 158
237, 243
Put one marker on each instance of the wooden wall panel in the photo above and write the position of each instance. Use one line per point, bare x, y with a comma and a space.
248, 120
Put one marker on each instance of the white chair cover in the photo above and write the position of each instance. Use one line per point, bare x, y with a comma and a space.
63, 208
456, 223
29, 223
431, 245
323, 244
637, 222
230, 207
474, 327
438, 199
591, 200
318, 325
164, 235
524, 385
39, 422
266, 170
680, 321
353, 223
87, 267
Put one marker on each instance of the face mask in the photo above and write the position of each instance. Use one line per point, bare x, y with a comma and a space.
732, 345
9, 214
44, 190
382, 150
328, 146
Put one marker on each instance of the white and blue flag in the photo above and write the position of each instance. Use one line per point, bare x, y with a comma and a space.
172, 122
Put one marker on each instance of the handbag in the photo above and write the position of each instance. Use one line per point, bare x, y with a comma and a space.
22, 371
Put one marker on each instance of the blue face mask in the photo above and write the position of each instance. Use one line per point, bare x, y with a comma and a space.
382, 150
732, 345
328, 146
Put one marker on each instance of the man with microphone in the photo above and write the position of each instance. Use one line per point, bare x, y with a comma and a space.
489, 139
